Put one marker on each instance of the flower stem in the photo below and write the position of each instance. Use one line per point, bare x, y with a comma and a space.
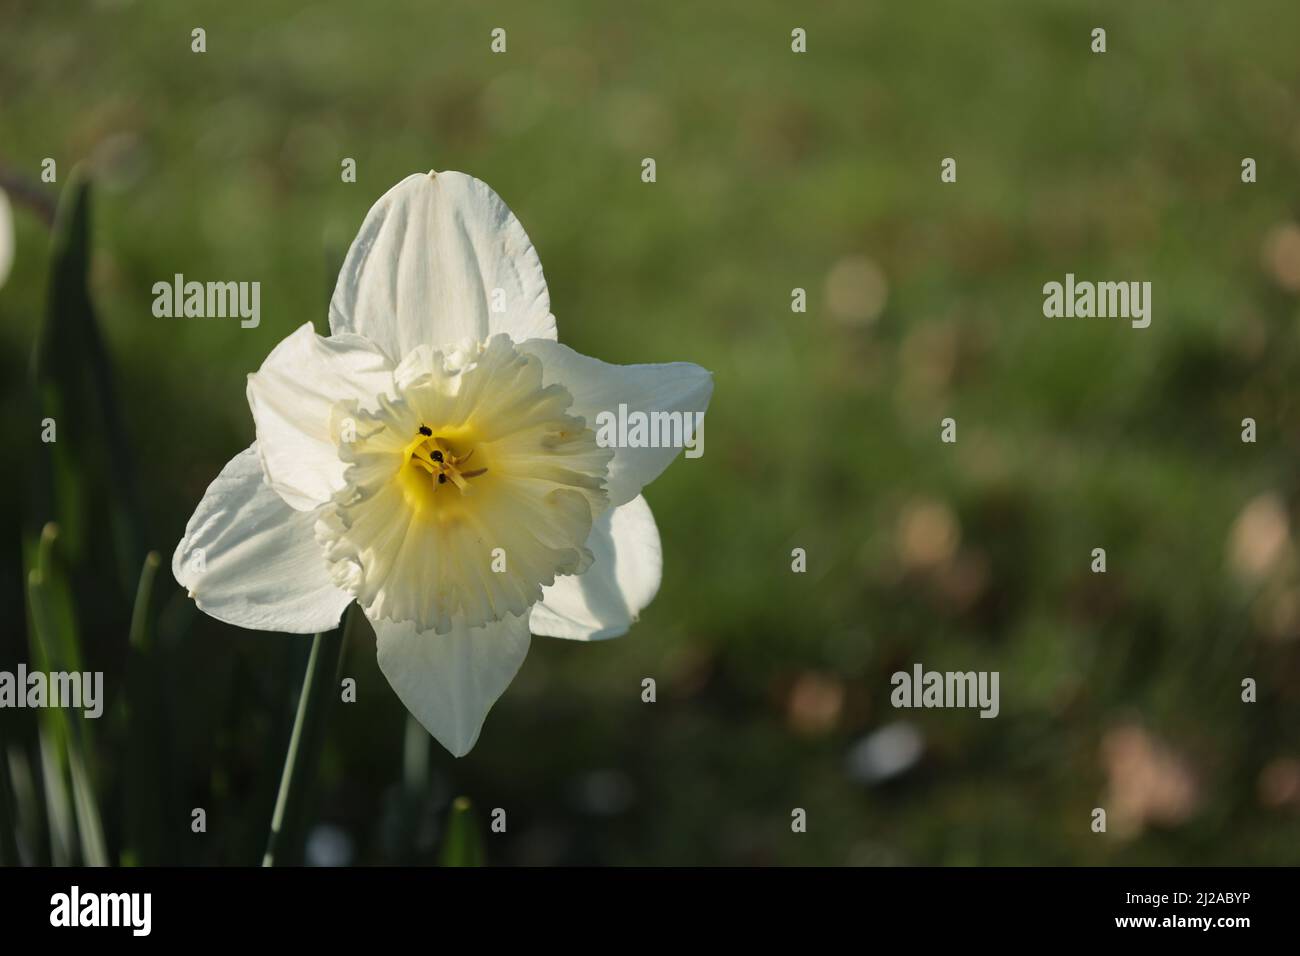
284, 845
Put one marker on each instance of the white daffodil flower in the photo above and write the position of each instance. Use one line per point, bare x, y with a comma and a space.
6, 237
434, 459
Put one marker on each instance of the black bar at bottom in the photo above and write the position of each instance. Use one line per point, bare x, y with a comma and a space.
333, 906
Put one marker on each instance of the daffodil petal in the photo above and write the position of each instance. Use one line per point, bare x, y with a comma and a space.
440, 260
292, 397
250, 560
597, 387
605, 600
450, 681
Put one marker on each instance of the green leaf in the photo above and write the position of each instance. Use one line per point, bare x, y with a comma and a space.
87, 482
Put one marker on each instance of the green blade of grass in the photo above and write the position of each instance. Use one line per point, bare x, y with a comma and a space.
58, 808
462, 845
144, 724
27, 810
140, 616
8, 809
66, 753
89, 828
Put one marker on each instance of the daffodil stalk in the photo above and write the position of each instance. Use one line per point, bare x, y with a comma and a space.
285, 840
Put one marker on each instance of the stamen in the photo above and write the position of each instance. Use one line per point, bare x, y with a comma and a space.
434, 454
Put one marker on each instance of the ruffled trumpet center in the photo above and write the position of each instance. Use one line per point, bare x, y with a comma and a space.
466, 492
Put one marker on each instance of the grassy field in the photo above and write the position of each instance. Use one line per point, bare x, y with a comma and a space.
775, 171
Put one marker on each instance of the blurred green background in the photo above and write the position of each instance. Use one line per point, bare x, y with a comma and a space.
775, 171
